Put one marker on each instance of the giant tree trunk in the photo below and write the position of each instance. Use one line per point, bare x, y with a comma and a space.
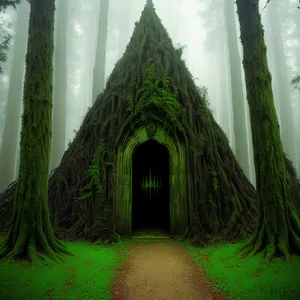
58, 144
278, 226
31, 234
99, 67
13, 110
238, 103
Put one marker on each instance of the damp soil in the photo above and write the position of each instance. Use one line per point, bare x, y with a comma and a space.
161, 271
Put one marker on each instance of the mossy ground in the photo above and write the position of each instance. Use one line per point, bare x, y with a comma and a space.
87, 276
249, 278
90, 274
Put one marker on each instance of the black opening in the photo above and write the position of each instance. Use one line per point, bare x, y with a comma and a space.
150, 187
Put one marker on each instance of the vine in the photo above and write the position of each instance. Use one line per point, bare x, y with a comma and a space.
94, 173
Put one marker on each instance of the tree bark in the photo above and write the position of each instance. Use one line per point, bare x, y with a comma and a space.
13, 110
58, 144
99, 68
278, 226
31, 235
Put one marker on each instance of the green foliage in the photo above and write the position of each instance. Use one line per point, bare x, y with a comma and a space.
215, 179
155, 90
158, 91
94, 172
130, 105
203, 92
200, 143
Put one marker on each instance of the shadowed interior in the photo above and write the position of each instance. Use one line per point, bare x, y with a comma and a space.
150, 205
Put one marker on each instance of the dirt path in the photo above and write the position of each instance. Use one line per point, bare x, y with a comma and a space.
161, 271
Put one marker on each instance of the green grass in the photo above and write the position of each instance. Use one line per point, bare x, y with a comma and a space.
90, 274
249, 278
86, 276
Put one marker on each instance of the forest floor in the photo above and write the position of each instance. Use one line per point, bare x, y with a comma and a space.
161, 270
145, 269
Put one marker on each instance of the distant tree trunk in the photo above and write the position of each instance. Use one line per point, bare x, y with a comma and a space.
123, 25
238, 103
287, 127
31, 234
13, 109
58, 144
278, 226
99, 68
226, 104
296, 54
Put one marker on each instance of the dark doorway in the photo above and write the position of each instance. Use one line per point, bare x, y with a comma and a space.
150, 187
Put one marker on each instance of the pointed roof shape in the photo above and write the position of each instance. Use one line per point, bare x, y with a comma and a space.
151, 42
150, 94
149, 3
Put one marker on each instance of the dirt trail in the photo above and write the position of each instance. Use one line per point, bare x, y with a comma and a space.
161, 271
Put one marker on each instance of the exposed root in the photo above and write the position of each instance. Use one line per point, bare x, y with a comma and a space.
32, 243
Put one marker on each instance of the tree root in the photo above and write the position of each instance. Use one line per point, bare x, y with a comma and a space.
32, 245
272, 244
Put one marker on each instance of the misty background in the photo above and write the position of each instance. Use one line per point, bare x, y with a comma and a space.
91, 36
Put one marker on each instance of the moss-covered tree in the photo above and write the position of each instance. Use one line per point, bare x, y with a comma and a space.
278, 227
30, 234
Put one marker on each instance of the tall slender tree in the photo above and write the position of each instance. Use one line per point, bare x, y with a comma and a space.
31, 234
99, 68
278, 226
13, 109
123, 25
58, 143
237, 94
216, 44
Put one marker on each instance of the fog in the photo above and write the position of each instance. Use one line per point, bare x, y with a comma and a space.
206, 30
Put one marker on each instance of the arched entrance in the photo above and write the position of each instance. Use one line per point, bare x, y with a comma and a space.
150, 187
178, 178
